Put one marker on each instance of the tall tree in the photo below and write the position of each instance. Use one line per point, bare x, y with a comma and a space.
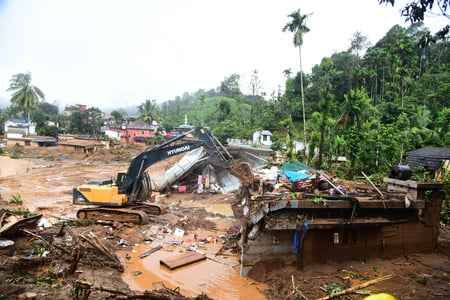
230, 86
148, 111
25, 95
117, 116
297, 25
255, 83
358, 43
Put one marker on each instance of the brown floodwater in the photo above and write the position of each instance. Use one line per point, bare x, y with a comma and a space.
219, 280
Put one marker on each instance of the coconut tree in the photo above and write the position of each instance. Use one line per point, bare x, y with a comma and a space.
25, 95
297, 25
148, 111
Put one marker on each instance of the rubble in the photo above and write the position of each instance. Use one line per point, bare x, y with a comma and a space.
304, 211
286, 221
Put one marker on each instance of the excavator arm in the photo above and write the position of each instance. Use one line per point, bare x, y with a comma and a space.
134, 186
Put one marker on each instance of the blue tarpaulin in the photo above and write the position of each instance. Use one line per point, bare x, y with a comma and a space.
299, 236
296, 171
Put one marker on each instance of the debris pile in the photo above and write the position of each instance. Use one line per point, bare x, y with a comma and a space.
296, 211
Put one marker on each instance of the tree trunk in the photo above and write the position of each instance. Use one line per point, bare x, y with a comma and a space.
321, 142
302, 97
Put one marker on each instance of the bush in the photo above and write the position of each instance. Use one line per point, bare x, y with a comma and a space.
16, 151
16, 199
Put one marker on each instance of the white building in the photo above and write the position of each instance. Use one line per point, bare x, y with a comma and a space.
18, 128
112, 134
262, 137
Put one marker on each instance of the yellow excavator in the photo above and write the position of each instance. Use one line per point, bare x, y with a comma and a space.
127, 199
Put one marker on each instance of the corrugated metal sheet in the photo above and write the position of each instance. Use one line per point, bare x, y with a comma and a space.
428, 157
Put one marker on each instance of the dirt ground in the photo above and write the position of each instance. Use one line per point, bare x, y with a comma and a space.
45, 187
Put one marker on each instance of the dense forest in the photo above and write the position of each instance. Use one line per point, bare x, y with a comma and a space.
370, 104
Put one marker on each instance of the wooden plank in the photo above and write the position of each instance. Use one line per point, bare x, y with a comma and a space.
364, 202
182, 260
328, 223
150, 252
405, 183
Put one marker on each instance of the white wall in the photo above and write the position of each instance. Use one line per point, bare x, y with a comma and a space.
112, 134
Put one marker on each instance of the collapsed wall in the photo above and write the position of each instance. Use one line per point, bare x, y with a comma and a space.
307, 229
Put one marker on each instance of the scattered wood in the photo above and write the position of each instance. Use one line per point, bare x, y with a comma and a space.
96, 243
162, 293
47, 243
182, 260
81, 290
375, 187
149, 252
357, 287
76, 256
296, 290
3, 214
10, 291
331, 183
12, 229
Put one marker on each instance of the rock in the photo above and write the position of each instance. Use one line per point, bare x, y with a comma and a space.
27, 295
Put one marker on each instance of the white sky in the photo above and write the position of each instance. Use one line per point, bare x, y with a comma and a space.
117, 53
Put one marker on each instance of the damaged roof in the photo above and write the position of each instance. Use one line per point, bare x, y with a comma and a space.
428, 157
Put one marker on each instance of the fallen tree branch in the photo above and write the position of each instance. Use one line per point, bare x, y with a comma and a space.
295, 289
50, 245
357, 287
95, 242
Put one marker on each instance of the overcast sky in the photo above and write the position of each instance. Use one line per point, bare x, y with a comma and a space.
118, 53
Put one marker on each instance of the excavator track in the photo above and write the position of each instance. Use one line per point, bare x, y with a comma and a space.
149, 209
113, 214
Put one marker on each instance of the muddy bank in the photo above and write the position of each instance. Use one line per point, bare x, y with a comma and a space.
14, 167
46, 188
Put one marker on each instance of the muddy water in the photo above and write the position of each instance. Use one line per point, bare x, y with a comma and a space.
12, 167
218, 280
223, 209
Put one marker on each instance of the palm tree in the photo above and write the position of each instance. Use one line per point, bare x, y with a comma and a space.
297, 25
148, 111
25, 95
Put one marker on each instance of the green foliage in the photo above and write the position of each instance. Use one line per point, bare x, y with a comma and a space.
297, 25
148, 111
46, 117
16, 199
84, 121
154, 140
318, 200
25, 95
21, 212
370, 107
118, 116
333, 288
230, 86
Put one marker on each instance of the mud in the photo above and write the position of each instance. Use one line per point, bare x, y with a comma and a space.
219, 280
45, 179
14, 167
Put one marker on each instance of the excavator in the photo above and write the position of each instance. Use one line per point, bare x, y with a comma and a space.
127, 198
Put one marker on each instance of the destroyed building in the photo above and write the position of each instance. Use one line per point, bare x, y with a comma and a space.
311, 224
